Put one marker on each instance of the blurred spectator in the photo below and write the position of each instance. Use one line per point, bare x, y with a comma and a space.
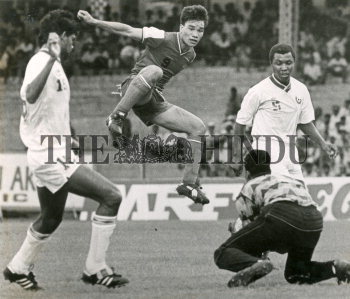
243, 57
342, 171
327, 119
87, 60
222, 46
345, 109
334, 119
306, 40
308, 170
337, 67
101, 60
172, 23
319, 122
341, 126
160, 22
312, 72
247, 11
211, 128
327, 171
113, 63
4, 60
234, 102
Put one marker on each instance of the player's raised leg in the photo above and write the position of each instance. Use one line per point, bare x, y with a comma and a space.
89, 183
179, 120
138, 93
52, 209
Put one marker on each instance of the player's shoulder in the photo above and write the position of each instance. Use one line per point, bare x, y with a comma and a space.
260, 181
261, 85
40, 57
171, 38
295, 83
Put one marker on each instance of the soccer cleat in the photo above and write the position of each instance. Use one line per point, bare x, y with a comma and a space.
115, 123
250, 274
193, 192
342, 271
105, 277
26, 281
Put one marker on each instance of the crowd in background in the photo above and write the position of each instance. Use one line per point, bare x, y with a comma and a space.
237, 36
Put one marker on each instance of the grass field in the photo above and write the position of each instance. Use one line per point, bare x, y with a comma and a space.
170, 259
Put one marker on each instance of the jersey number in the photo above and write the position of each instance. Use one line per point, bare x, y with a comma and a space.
276, 105
166, 62
59, 88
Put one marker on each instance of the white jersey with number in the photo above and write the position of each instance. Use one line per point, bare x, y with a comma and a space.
275, 109
49, 115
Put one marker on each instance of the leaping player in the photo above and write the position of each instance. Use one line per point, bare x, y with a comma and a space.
166, 54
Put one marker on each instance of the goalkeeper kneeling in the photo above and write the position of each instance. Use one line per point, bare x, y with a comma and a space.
276, 213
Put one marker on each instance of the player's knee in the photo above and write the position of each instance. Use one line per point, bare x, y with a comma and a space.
152, 74
217, 258
113, 199
49, 225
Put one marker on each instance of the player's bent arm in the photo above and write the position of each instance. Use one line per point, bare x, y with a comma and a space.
310, 130
35, 88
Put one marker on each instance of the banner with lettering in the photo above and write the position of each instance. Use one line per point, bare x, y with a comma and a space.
159, 200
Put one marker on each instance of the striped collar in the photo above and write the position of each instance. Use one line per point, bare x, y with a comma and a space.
286, 88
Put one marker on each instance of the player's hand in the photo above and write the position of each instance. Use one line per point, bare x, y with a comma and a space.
85, 17
331, 150
53, 45
235, 226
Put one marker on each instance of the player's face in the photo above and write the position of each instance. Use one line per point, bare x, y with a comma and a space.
282, 66
192, 32
67, 42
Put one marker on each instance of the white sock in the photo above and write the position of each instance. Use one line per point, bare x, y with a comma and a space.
30, 248
102, 229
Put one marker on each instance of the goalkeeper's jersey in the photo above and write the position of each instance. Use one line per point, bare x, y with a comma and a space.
164, 50
49, 115
267, 189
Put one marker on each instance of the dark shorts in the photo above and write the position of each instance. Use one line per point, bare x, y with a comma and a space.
157, 104
281, 226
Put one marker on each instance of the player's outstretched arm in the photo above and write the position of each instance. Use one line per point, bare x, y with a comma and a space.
35, 88
310, 130
113, 27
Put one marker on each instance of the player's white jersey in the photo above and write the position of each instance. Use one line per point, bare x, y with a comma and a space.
49, 115
275, 109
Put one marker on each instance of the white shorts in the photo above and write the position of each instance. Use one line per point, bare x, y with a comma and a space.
51, 176
285, 166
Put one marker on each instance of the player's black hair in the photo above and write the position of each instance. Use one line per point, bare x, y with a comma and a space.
58, 21
281, 49
257, 162
194, 12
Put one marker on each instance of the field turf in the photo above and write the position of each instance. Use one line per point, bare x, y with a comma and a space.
169, 259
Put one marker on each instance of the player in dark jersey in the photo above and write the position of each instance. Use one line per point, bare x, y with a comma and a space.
276, 213
166, 54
